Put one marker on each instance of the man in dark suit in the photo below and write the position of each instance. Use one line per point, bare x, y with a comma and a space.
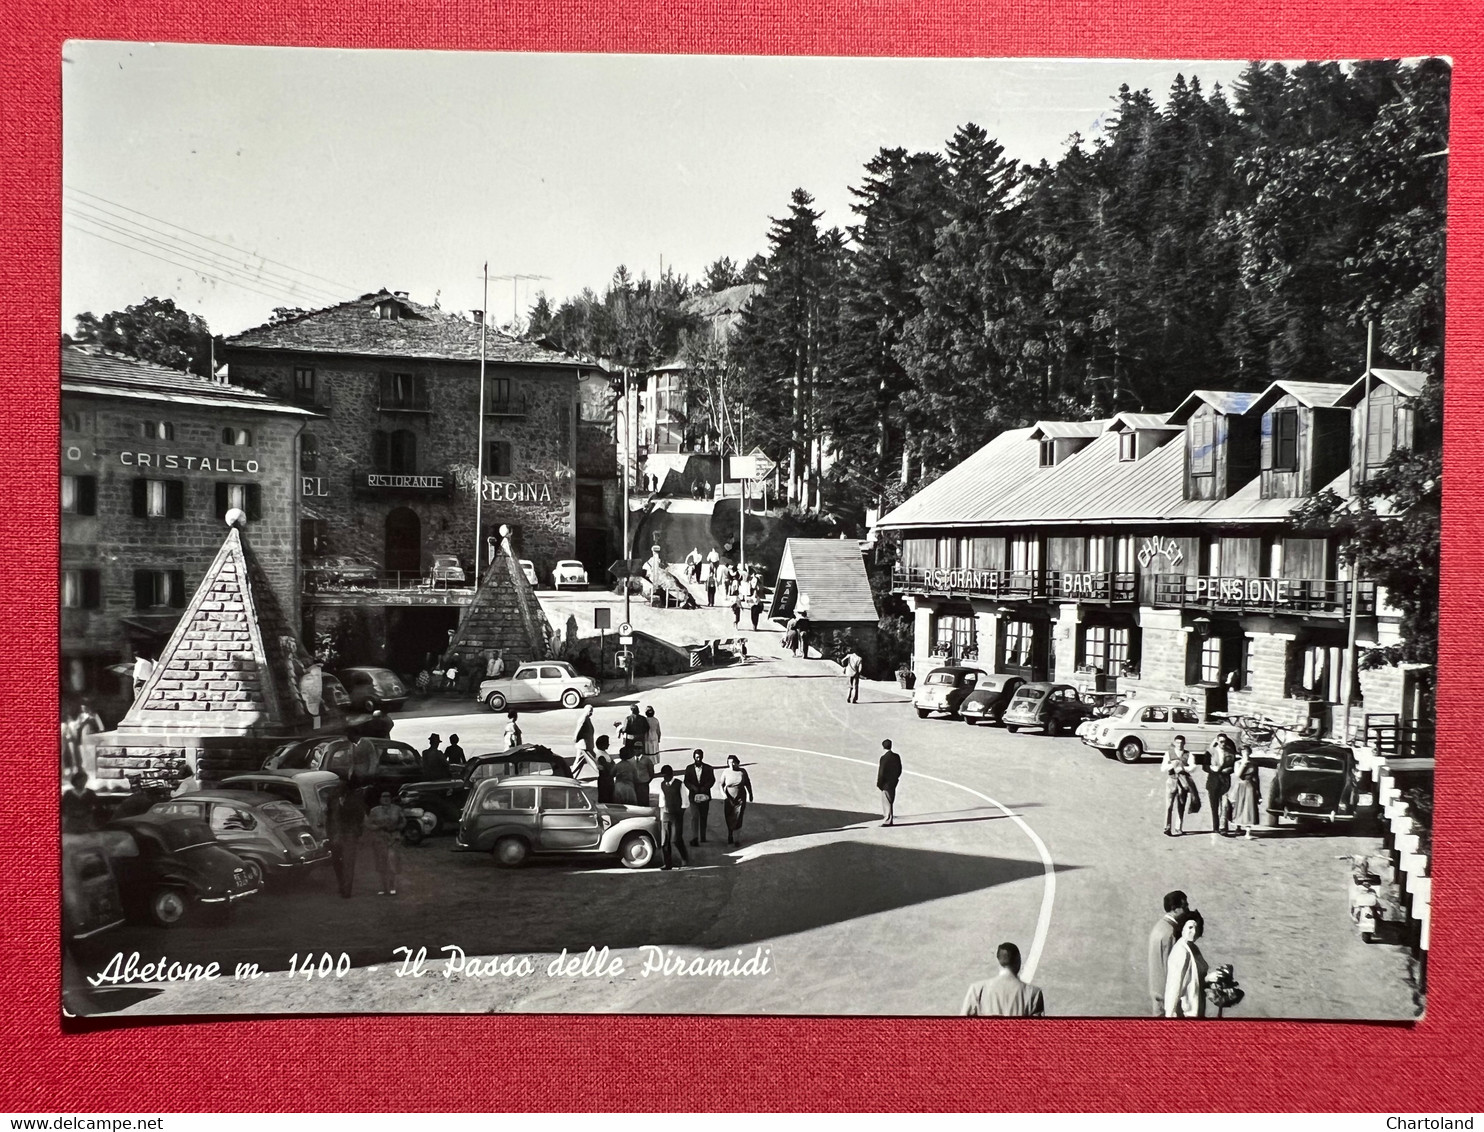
1161, 941
888, 774
699, 781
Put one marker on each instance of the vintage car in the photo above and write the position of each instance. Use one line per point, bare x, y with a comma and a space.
944, 689
514, 818
540, 682
393, 763
309, 790
989, 699
1140, 727
446, 570
271, 836
569, 572
339, 570
1057, 709
444, 799
372, 688
165, 865
528, 568
1315, 781
90, 891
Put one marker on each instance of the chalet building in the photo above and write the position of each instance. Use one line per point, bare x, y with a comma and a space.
1160, 552
389, 468
152, 460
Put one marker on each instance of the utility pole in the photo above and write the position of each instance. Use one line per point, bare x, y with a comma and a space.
742, 483
628, 455
484, 319
1352, 676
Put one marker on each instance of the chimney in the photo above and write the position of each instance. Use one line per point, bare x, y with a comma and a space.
478, 317
400, 294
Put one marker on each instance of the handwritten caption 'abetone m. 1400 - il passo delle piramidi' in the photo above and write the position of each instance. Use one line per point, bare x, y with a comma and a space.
451, 961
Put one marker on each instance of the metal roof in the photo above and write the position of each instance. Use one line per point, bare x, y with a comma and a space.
1222, 400
969, 492
1124, 421
1313, 394
1059, 430
833, 573
1408, 382
1094, 485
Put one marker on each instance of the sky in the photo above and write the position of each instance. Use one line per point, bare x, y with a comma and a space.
236, 179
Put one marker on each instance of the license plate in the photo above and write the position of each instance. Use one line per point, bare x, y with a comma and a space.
1314, 801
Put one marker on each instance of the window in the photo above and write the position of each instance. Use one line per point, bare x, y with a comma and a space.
1128, 446
71, 421
1381, 438
1315, 671
1210, 672
81, 589
567, 798
1106, 648
1018, 637
245, 497
308, 452
159, 589
85, 674
398, 755
312, 537
394, 452
159, 499
1203, 443
1217, 659
229, 819
80, 495
404, 391
157, 430
304, 390
1048, 453
955, 636
1285, 440
237, 437
497, 394
1156, 715
497, 458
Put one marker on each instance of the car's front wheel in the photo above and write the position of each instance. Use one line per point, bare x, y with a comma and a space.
922, 713
970, 720
571, 699
167, 907
1130, 751
1053, 726
495, 701
1011, 728
637, 851
510, 852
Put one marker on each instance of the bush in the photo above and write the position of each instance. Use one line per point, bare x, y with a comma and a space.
893, 646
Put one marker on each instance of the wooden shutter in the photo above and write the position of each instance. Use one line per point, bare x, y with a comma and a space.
141, 498
254, 502
175, 499
177, 589
144, 589
87, 495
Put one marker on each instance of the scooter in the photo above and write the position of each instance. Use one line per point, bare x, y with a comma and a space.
1365, 902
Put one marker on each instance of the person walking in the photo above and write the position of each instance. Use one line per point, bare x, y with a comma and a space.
1005, 995
386, 821
435, 762
1221, 760
1247, 796
672, 818
345, 824
455, 756
755, 608
651, 737
1161, 941
853, 663
709, 576
888, 774
700, 779
582, 738
512, 731
693, 564
1179, 787
1185, 982
635, 729
736, 790
801, 627
736, 611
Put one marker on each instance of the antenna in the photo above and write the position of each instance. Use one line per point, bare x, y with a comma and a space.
515, 293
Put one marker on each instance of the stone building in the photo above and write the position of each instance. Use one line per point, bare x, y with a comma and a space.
389, 472
1161, 553
151, 460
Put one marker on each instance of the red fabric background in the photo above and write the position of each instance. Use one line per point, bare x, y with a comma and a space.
560, 1063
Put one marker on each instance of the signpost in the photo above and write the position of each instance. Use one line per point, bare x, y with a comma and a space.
601, 621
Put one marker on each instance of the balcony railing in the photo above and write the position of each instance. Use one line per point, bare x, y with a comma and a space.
418, 402
317, 398
1313, 596
507, 407
1022, 585
1092, 585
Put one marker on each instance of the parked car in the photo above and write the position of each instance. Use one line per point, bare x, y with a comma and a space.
309, 790
514, 818
333, 692
393, 764
446, 569
989, 699
1140, 727
340, 570
528, 568
569, 572
1055, 708
944, 689
1315, 781
445, 798
370, 688
166, 865
540, 682
271, 836
90, 893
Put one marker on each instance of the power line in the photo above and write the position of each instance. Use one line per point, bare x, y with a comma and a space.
341, 288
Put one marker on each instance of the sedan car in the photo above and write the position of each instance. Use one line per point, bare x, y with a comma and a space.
528, 568
1055, 708
541, 682
569, 572
989, 699
514, 818
371, 688
391, 764
944, 689
1138, 727
1315, 781
444, 799
340, 570
271, 836
446, 569
309, 790
165, 865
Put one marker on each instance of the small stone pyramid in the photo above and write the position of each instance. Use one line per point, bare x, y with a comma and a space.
504, 614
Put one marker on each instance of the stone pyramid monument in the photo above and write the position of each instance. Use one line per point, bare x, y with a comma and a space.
225, 690
504, 615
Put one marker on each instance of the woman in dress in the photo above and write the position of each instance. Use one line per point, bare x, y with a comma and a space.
1247, 795
386, 821
1185, 980
512, 732
651, 738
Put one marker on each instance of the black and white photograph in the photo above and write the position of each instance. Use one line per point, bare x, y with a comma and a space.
973, 523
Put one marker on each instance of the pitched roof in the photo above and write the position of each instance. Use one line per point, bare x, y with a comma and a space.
504, 614
103, 373
1094, 485
1408, 382
418, 332
969, 492
1222, 400
1059, 430
1124, 421
1313, 394
833, 573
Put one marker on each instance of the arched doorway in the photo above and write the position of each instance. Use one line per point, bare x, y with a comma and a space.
404, 541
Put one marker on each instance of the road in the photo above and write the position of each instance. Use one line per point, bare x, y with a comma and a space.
999, 837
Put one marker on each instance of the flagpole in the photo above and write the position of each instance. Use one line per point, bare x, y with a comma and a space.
484, 318
1352, 653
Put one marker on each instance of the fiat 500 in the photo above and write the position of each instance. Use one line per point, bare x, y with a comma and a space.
989, 699
1315, 781
1137, 728
944, 689
271, 836
165, 865
514, 818
1055, 708
546, 682
569, 572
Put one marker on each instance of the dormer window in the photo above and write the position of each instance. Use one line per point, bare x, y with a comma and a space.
388, 308
1128, 446
1203, 443
1048, 453
1285, 440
